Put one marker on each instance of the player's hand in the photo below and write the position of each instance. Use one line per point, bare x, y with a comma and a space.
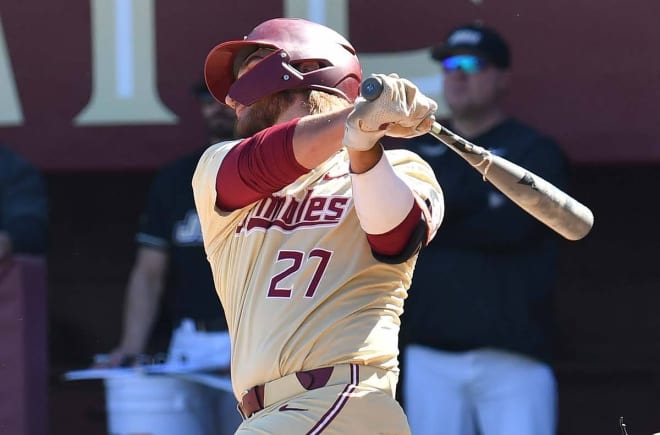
400, 110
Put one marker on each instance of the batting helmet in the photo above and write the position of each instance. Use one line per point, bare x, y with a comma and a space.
294, 41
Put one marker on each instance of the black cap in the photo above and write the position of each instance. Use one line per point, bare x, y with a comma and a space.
476, 39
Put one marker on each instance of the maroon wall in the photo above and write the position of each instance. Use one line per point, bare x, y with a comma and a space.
585, 71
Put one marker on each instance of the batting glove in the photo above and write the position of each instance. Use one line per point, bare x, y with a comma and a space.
400, 110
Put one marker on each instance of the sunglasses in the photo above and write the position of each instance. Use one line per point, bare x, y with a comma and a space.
467, 63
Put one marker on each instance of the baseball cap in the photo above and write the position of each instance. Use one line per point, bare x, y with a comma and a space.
475, 39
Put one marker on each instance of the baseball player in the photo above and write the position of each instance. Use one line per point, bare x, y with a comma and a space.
312, 230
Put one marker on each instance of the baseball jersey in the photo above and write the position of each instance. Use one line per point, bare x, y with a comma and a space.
296, 275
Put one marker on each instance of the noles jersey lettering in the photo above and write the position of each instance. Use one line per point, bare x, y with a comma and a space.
287, 213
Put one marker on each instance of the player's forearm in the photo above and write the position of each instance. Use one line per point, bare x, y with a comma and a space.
317, 137
257, 167
385, 205
277, 156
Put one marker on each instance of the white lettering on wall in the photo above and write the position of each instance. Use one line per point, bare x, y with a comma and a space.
124, 87
10, 106
124, 52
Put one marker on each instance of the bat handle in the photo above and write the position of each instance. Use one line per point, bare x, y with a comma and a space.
371, 88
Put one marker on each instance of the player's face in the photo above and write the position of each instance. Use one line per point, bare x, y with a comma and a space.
474, 91
264, 112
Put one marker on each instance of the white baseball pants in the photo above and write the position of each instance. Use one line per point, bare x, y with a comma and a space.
484, 391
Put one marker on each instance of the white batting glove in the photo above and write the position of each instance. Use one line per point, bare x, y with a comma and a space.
400, 110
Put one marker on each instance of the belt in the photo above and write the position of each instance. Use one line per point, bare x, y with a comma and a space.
261, 396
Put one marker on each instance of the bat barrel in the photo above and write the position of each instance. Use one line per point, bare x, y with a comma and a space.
536, 196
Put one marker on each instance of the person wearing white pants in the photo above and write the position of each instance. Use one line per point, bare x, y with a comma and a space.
190, 392
484, 391
477, 328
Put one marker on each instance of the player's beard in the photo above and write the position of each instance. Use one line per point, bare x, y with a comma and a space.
263, 113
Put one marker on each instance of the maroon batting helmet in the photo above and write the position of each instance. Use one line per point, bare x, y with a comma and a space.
294, 41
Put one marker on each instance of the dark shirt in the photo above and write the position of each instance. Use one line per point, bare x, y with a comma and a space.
23, 204
170, 222
486, 280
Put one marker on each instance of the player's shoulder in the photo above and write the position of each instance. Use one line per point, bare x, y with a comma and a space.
206, 168
529, 142
407, 159
221, 146
524, 133
402, 155
217, 151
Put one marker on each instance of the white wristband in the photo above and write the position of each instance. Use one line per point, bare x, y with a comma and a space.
382, 199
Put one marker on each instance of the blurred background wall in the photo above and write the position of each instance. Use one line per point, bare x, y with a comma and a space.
97, 93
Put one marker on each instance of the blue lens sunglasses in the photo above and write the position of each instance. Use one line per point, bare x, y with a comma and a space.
467, 63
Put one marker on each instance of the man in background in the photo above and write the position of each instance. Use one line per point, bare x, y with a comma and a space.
478, 319
23, 207
312, 229
171, 270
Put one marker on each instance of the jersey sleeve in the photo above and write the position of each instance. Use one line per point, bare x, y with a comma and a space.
258, 167
419, 176
205, 195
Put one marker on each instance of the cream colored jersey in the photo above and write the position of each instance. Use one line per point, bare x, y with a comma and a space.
296, 275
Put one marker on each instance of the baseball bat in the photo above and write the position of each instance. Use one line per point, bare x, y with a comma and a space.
536, 196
